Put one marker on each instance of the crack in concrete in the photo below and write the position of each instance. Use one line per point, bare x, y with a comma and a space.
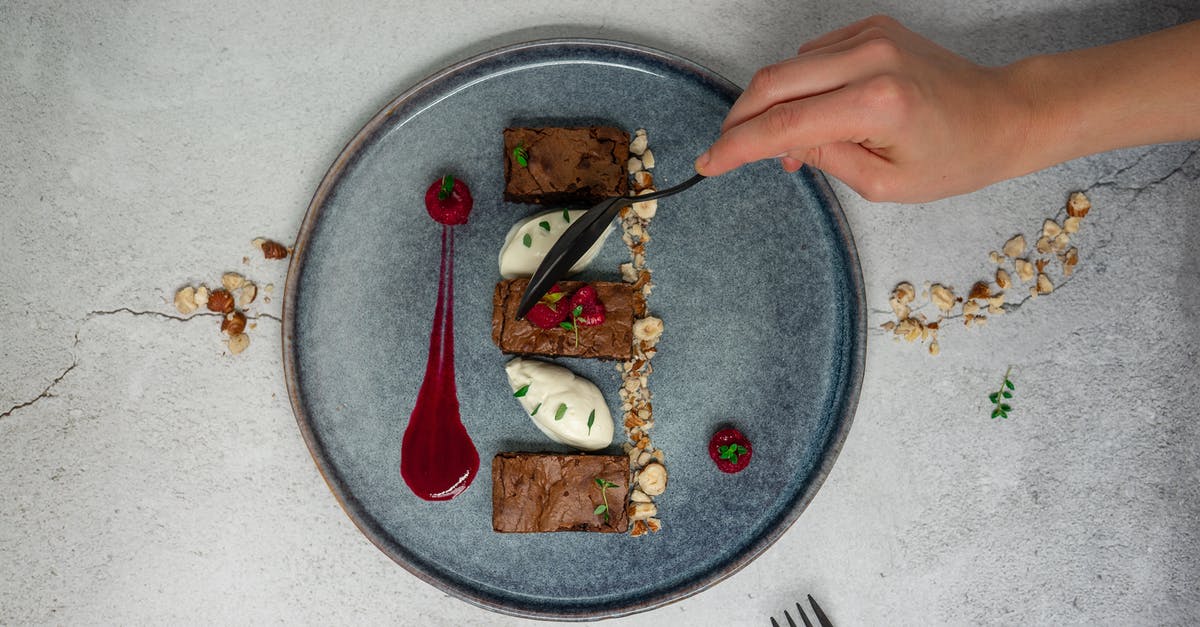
166, 316
46, 393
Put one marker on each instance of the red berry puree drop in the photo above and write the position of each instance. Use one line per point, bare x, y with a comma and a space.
438, 460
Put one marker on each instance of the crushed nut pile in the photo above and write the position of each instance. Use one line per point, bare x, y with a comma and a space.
988, 298
646, 462
231, 299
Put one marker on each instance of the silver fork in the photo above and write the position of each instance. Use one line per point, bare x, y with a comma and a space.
822, 620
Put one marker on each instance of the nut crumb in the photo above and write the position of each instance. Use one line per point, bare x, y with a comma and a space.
648, 159
247, 294
1078, 205
1043, 284
942, 296
1002, 279
234, 323
1015, 247
220, 301
1024, 269
238, 343
996, 257
271, 249
1071, 225
185, 300
1050, 228
232, 280
633, 165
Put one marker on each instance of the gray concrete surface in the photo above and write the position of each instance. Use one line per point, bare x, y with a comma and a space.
148, 479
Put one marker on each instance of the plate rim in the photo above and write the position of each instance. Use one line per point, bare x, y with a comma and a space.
829, 454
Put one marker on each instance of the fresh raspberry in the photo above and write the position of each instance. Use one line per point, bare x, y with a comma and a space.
730, 450
551, 310
448, 200
591, 310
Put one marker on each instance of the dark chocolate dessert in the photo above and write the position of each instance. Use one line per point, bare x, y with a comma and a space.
565, 165
534, 492
613, 339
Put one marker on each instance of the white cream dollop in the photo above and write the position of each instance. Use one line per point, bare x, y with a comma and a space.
561, 403
541, 231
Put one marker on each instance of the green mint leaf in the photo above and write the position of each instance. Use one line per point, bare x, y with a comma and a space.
1004, 414
521, 156
591, 419
561, 411
1007, 394
566, 325
447, 187
577, 311
599, 481
600, 509
567, 216
1009, 384
741, 450
1005, 407
995, 413
994, 396
537, 407
544, 224
527, 240
521, 391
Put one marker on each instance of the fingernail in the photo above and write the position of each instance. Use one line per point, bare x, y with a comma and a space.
703, 160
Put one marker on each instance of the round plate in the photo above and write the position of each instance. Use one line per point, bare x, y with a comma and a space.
757, 282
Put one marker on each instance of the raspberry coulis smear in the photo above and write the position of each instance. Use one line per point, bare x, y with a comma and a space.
438, 460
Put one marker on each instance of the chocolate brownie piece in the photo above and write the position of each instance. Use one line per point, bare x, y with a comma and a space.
534, 492
565, 165
613, 339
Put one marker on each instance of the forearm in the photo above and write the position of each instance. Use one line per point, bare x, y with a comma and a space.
1140, 91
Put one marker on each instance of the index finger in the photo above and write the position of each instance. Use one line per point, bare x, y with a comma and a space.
793, 127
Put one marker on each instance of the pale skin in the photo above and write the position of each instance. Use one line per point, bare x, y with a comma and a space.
898, 118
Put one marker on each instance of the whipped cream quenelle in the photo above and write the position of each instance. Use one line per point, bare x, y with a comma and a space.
528, 242
561, 403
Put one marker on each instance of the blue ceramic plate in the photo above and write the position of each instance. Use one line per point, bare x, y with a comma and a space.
758, 284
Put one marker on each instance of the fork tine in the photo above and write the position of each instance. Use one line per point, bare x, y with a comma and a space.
774, 623
803, 616
791, 623
821, 618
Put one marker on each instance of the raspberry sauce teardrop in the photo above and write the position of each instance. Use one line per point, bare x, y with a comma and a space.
438, 460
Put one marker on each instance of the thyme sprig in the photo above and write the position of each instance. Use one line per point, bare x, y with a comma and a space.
603, 508
1000, 408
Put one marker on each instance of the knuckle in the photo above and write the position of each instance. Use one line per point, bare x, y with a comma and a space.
764, 81
881, 21
881, 48
887, 91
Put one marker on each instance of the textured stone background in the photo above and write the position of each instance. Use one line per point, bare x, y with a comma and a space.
149, 479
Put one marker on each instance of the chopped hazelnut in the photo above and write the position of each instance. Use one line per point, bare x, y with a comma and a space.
1015, 247
1024, 269
1002, 278
238, 343
980, 290
942, 296
1043, 284
220, 301
185, 300
1051, 229
232, 280
1078, 205
1071, 225
234, 323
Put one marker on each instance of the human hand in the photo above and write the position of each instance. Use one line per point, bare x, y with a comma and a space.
890, 113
